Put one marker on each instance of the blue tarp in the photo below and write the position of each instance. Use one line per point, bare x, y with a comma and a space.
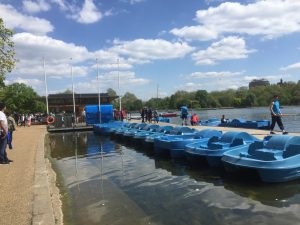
92, 114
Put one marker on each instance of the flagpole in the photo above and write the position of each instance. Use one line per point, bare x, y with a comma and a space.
99, 99
46, 88
74, 110
120, 107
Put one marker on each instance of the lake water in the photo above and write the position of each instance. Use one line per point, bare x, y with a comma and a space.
106, 181
291, 123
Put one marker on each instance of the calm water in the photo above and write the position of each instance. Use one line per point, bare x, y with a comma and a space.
291, 123
109, 182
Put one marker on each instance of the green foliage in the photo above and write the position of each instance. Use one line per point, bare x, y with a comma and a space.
21, 98
131, 102
7, 53
111, 92
289, 93
67, 91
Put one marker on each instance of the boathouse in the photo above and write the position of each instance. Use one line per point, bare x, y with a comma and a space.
64, 102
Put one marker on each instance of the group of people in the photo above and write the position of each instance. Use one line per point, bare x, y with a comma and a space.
7, 127
276, 116
194, 120
120, 115
147, 114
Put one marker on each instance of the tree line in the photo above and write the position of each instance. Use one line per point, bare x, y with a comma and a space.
289, 93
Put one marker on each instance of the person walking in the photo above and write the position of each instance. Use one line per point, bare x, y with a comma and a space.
276, 115
11, 128
3, 136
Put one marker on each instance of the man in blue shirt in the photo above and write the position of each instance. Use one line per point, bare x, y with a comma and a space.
276, 115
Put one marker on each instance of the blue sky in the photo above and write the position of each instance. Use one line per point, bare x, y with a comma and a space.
173, 44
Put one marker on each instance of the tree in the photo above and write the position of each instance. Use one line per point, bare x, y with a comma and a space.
202, 97
7, 53
21, 98
111, 92
131, 102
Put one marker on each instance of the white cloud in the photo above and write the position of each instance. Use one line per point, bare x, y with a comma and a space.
267, 18
213, 75
31, 49
132, 2
128, 80
195, 33
151, 49
226, 49
61, 4
89, 13
294, 66
190, 86
15, 20
29, 46
35, 6
109, 60
36, 84
272, 78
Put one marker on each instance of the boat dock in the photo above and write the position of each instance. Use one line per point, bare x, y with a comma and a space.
255, 132
52, 129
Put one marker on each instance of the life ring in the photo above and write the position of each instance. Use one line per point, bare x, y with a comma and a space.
50, 119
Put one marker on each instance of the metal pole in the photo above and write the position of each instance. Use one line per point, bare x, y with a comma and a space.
120, 108
46, 88
99, 100
74, 110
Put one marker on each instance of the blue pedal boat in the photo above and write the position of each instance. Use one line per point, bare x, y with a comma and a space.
107, 128
119, 131
276, 159
211, 122
251, 124
163, 144
148, 128
179, 130
161, 130
213, 150
176, 145
137, 127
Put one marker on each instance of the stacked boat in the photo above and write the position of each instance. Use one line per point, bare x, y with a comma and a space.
275, 158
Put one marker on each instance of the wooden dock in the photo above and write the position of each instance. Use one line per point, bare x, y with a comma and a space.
52, 129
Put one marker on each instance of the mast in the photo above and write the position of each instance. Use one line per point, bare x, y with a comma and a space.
46, 88
74, 110
120, 100
99, 100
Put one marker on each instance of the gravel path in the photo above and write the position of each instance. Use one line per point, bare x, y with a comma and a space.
20, 181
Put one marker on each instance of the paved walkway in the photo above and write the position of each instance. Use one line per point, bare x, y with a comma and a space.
24, 183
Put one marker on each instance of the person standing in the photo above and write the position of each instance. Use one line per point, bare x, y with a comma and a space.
3, 136
184, 115
123, 114
149, 115
194, 119
11, 128
155, 115
276, 115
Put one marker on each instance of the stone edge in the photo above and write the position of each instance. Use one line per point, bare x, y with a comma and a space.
47, 206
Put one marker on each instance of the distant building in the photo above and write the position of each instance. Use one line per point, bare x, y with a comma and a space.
64, 102
259, 82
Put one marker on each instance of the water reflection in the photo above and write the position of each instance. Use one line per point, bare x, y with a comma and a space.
110, 183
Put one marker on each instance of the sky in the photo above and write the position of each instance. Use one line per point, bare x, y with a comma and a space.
152, 47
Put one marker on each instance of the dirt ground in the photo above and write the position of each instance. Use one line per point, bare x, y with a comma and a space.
18, 180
